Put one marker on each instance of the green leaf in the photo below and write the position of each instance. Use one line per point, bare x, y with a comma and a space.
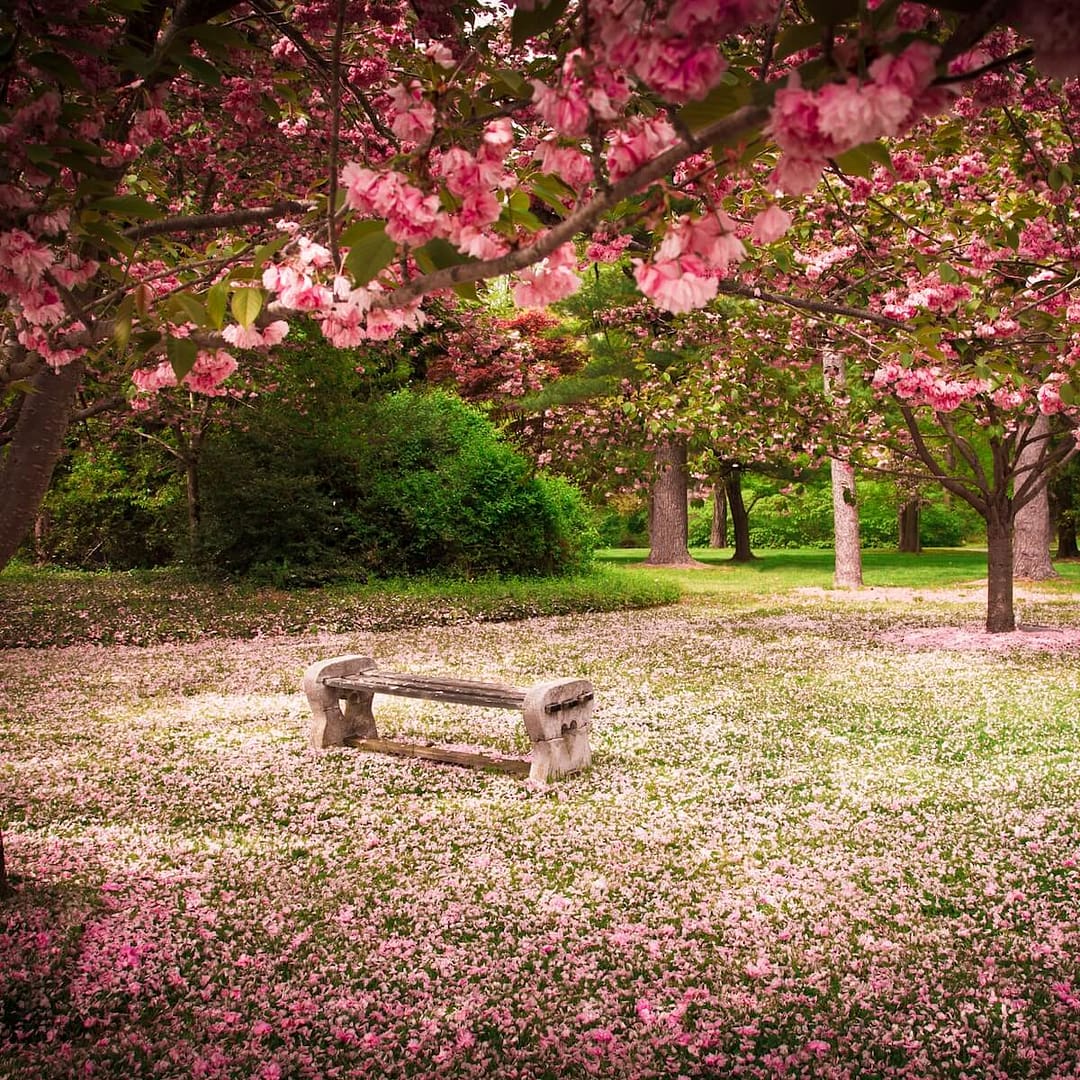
512, 82
217, 300
797, 38
553, 192
721, 101
947, 273
860, 160
370, 250
246, 305
268, 251
183, 307
59, 67
182, 354
528, 24
832, 11
1069, 394
215, 39
201, 70
129, 206
438, 254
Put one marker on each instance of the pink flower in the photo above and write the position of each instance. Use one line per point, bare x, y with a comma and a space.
412, 118
681, 68
549, 280
210, 371
151, 380
566, 111
643, 139
570, 165
23, 258
770, 224
676, 285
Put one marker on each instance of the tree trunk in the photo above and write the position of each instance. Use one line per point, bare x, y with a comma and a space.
740, 519
718, 532
1031, 526
1000, 614
1066, 539
668, 515
910, 541
36, 444
848, 551
5, 885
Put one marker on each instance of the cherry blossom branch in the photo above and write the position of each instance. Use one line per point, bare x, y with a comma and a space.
740, 122
208, 222
818, 307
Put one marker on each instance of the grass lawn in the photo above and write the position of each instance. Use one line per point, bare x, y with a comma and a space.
805, 849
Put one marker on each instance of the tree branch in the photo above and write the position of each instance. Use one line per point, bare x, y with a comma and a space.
740, 122
207, 222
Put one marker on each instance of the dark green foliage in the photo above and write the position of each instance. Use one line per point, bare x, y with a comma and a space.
119, 508
440, 491
410, 483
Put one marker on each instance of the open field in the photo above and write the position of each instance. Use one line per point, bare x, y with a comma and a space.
806, 848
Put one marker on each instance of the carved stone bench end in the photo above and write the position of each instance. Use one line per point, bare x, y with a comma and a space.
557, 717
336, 717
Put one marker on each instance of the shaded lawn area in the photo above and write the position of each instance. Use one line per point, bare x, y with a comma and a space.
801, 851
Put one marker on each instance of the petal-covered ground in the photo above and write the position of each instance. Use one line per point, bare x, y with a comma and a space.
805, 849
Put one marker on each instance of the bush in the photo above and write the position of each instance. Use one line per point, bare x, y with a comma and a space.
423, 485
116, 508
440, 491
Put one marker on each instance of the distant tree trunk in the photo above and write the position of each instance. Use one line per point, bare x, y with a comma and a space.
37, 442
740, 519
718, 532
1064, 516
1031, 526
1066, 539
668, 514
848, 569
5, 885
847, 572
1000, 612
910, 541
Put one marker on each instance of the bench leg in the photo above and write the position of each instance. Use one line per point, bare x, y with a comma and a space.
557, 717
331, 723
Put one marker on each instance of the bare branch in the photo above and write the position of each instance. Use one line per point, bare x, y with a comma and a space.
229, 219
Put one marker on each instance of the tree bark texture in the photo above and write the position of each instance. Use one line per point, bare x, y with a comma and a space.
847, 551
1031, 525
36, 444
718, 534
847, 573
1000, 612
669, 516
5, 885
740, 519
910, 513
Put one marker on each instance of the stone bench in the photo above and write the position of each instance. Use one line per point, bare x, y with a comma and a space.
557, 715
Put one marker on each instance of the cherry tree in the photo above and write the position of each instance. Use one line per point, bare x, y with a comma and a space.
181, 176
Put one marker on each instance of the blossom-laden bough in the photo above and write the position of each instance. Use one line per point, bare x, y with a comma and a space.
186, 176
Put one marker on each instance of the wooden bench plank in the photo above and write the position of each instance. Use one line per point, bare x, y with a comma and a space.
456, 691
424, 751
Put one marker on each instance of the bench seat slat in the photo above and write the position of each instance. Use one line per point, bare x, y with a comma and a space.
456, 691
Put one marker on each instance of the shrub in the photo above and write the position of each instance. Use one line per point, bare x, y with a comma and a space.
117, 508
424, 484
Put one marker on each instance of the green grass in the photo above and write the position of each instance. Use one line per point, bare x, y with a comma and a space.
47, 607
779, 571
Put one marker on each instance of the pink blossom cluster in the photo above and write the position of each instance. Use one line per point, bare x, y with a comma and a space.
412, 117
810, 126
210, 370
927, 293
679, 57
928, 385
693, 256
586, 91
553, 278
